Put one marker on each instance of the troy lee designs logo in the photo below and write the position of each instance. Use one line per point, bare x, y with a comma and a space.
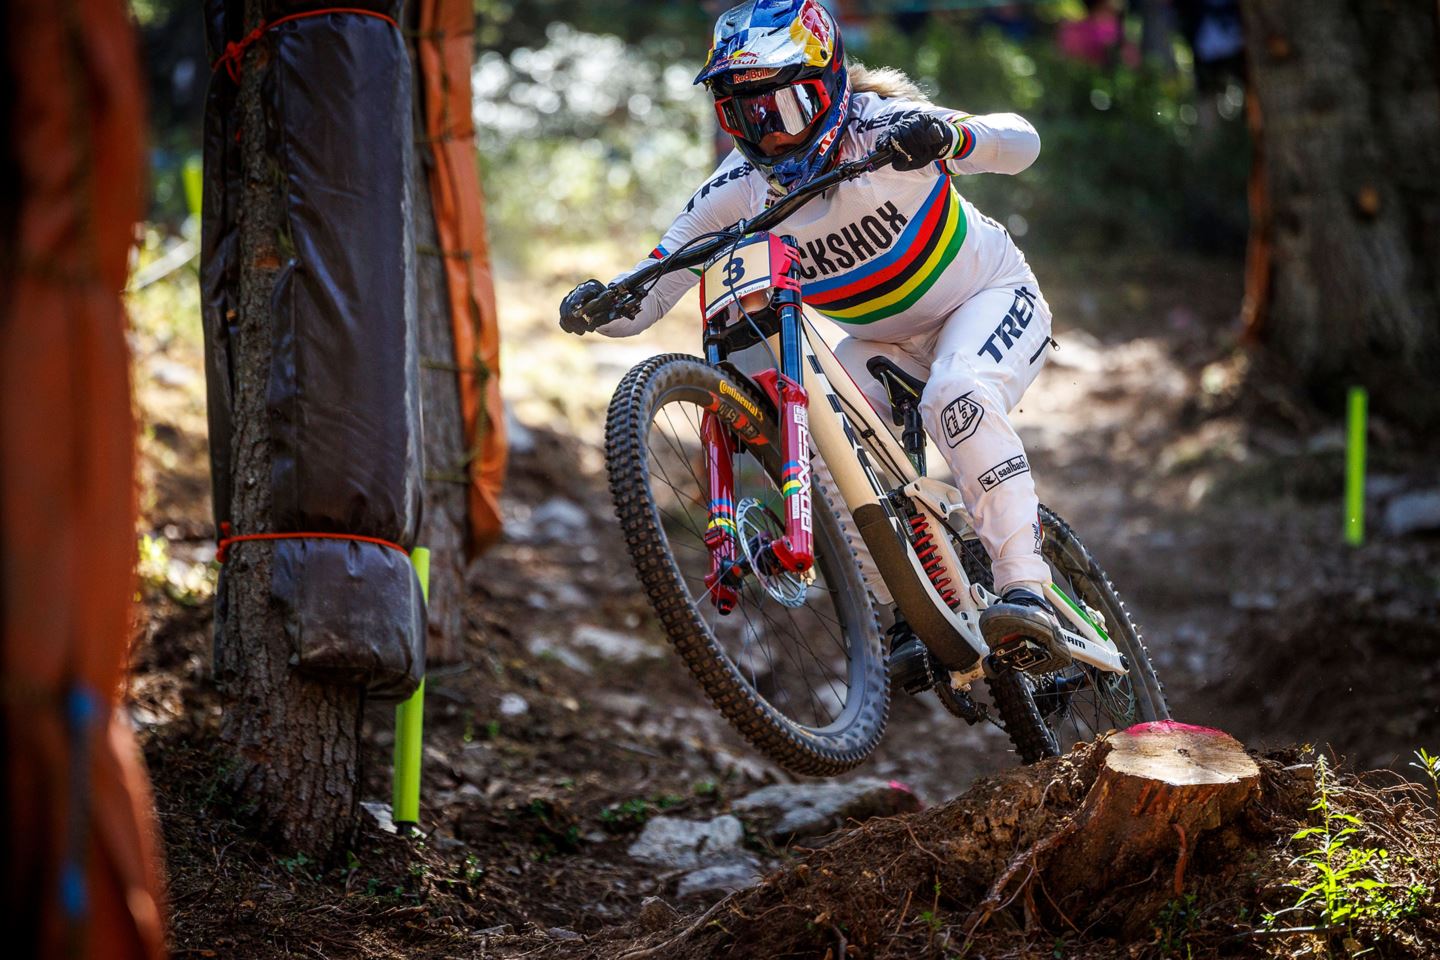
961, 419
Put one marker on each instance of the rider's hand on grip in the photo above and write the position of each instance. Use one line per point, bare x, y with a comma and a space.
918, 141
571, 319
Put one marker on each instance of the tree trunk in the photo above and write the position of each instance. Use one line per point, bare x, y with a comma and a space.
443, 525
293, 744
1349, 92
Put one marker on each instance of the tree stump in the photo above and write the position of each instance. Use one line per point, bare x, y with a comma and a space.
1160, 787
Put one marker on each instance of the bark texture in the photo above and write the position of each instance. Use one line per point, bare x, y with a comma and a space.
1161, 786
1349, 93
293, 744
443, 523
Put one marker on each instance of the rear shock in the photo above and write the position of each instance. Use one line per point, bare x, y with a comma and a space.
922, 538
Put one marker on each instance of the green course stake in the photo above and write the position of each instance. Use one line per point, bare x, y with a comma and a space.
192, 175
409, 726
1355, 469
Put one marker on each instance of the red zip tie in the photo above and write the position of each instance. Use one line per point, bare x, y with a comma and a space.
230, 59
224, 545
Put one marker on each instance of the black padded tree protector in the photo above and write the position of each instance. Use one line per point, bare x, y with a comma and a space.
343, 395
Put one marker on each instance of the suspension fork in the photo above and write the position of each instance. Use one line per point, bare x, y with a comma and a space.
795, 551
726, 568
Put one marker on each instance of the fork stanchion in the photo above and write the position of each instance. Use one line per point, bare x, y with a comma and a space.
409, 727
1357, 403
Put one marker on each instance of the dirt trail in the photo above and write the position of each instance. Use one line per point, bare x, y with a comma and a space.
571, 725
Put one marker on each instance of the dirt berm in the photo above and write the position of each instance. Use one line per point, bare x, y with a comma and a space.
977, 877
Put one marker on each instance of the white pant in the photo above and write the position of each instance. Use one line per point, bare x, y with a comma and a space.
978, 364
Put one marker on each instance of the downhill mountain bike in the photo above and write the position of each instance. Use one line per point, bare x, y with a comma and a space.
754, 506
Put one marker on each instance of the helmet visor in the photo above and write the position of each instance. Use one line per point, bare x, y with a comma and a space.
790, 109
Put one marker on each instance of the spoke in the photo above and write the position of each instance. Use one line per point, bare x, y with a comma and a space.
793, 652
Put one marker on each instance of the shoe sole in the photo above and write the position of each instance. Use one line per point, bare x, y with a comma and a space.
1024, 639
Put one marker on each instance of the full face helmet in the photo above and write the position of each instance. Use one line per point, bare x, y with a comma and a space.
777, 67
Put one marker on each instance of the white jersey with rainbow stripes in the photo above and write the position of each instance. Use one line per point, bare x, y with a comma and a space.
887, 256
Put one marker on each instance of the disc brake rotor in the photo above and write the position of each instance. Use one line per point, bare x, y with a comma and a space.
758, 526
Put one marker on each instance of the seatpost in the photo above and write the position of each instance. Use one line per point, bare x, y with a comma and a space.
913, 435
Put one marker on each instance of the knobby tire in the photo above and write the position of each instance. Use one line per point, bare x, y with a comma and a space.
800, 749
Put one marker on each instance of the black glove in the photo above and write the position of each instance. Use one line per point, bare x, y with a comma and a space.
571, 319
920, 140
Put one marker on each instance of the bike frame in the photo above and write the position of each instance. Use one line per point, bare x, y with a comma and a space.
904, 525
917, 513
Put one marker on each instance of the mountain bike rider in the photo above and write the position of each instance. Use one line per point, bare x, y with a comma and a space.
898, 259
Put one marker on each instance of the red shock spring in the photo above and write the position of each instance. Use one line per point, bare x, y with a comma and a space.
924, 542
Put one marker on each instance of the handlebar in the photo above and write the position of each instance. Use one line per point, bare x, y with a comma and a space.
623, 290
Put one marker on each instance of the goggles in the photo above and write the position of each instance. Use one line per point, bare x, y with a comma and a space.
789, 109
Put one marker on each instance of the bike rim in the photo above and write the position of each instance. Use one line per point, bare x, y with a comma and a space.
1081, 702
798, 659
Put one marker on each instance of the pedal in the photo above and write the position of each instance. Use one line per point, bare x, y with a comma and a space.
911, 667
1019, 652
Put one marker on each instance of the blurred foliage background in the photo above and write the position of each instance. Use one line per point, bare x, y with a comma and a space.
589, 128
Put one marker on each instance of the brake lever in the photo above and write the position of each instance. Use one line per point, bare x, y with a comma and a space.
617, 299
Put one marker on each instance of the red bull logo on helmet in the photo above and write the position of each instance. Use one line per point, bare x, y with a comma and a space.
812, 30
751, 76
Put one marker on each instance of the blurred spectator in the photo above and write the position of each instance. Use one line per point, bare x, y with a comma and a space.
1098, 38
1217, 38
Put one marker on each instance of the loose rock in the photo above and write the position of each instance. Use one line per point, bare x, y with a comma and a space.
612, 645
655, 914
794, 810
513, 705
1415, 512
558, 520
676, 844
739, 874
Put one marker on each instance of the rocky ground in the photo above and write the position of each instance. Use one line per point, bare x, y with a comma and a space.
579, 793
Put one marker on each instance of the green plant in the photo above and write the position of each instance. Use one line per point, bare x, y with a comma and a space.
629, 813
633, 813
1174, 923
1347, 882
1430, 766
296, 864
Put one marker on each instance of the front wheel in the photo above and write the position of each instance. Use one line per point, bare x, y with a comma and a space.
797, 667
1049, 714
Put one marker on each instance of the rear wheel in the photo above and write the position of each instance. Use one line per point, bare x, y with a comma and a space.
1049, 714
797, 667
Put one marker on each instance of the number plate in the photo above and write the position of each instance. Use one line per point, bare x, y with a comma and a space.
744, 270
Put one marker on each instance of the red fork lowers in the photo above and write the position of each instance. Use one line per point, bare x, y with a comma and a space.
796, 550
720, 533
